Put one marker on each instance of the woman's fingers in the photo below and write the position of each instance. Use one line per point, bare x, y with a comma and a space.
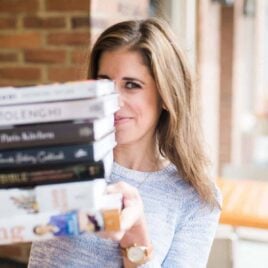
122, 187
116, 236
131, 196
132, 210
129, 216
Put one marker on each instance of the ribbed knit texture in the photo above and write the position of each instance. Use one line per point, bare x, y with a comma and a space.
181, 227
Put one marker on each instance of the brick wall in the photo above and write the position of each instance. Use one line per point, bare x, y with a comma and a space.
43, 41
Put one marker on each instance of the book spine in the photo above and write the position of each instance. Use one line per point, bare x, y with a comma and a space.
62, 197
57, 155
44, 156
58, 111
72, 173
54, 133
69, 196
45, 226
54, 92
45, 135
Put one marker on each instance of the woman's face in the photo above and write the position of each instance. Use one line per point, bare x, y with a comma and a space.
139, 99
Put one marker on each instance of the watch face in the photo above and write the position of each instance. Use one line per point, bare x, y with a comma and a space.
136, 254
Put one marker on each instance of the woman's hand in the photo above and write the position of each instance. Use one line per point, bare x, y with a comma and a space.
132, 215
133, 225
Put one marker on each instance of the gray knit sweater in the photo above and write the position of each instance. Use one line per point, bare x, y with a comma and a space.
181, 227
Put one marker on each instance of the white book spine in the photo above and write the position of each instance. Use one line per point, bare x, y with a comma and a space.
103, 125
73, 196
43, 226
89, 195
21, 228
100, 146
17, 202
108, 164
59, 111
55, 92
68, 196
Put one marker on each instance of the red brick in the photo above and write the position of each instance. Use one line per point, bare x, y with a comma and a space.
68, 38
7, 23
45, 56
8, 57
17, 6
79, 22
25, 40
68, 5
44, 23
63, 74
20, 73
79, 56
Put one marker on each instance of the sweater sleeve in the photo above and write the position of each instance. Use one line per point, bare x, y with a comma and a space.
192, 241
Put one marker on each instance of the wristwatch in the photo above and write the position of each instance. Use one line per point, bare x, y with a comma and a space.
137, 254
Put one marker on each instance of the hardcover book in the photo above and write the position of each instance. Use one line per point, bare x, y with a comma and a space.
61, 197
56, 92
71, 154
49, 225
47, 134
33, 176
59, 111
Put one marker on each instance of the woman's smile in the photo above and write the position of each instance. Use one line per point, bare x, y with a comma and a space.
121, 119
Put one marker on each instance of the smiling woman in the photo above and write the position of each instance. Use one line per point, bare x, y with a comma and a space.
159, 167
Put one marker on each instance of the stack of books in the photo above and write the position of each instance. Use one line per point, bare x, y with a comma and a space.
56, 146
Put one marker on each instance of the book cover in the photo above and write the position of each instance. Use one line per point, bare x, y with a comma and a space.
61, 197
57, 133
56, 174
49, 225
56, 92
59, 111
70, 154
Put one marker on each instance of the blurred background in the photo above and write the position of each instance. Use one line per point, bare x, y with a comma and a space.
43, 41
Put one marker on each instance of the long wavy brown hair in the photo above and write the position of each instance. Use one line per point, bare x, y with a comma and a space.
178, 130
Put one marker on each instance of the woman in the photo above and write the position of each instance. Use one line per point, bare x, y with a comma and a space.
171, 207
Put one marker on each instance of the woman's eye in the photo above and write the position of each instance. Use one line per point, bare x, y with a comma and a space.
132, 85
